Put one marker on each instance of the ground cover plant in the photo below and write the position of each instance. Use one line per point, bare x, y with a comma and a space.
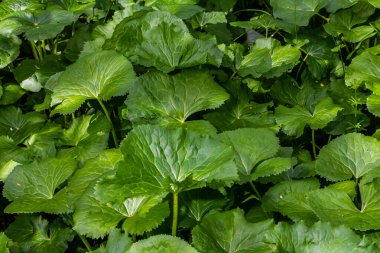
189, 126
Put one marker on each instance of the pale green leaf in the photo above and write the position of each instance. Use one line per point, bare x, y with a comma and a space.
162, 40
204, 18
4, 240
162, 244
35, 187
296, 12
41, 25
290, 199
364, 68
375, 3
156, 96
33, 234
117, 242
9, 49
373, 104
349, 156
272, 166
11, 7
321, 237
293, 120
100, 76
230, 232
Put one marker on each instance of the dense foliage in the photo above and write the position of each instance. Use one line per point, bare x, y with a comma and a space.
189, 126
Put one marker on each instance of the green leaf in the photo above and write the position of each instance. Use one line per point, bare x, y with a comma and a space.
157, 96
161, 243
32, 233
19, 126
35, 187
373, 104
321, 237
365, 68
240, 112
290, 199
349, 156
204, 18
162, 40
11, 7
9, 49
117, 242
197, 203
345, 22
11, 93
293, 120
4, 243
159, 160
272, 166
252, 146
230, 232
100, 76
335, 5
223, 5
86, 136
41, 25
375, 3
336, 206
296, 11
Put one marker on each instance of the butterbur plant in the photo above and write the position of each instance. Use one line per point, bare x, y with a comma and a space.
131, 126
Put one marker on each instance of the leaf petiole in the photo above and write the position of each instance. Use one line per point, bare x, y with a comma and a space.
175, 214
110, 121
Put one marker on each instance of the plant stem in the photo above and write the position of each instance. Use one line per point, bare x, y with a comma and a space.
34, 51
110, 121
301, 65
85, 242
175, 213
313, 143
258, 195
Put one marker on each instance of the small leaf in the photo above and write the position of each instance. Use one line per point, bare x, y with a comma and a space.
204, 18
230, 232
9, 49
161, 243
100, 76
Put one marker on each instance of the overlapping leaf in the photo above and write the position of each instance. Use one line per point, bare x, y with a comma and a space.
160, 97
161, 243
162, 40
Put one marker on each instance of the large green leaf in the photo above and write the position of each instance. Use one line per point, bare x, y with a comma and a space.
11, 7
40, 25
290, 199
161, 243
364, 68
35, 187
230, 232
253, 150
156, 96
117, 242
4, 243
162, 40
336, 206
349, 156
335, 5
100, 76
159, 160
33, 234
9, 49
296, 12
345, 22
293, 120
321, 237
